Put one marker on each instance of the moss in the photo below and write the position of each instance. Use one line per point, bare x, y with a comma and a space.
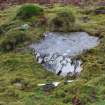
67, 100
1, 31
91, 70
64, 22
100, 8
29, 10
12, 39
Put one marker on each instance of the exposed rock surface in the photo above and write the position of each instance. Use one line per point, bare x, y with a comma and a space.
56, 51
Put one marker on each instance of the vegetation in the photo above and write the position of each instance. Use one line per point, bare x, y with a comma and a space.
12, 39
29, 10
100, 8
63, 21
20, 73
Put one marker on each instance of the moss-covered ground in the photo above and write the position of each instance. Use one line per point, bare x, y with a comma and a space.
19, 65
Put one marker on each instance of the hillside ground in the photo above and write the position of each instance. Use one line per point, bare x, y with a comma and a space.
20, 73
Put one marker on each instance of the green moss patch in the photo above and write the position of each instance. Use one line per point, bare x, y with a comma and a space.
29, 10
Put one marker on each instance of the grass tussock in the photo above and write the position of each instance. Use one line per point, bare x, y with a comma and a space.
29, 10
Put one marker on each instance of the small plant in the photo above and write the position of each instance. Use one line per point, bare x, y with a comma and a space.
1, 30
60, 94
64, 21
12, 39
29, 10
100, 8
67, 100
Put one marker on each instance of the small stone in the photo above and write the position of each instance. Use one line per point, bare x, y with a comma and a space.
24, 27
18, 85
48, 87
